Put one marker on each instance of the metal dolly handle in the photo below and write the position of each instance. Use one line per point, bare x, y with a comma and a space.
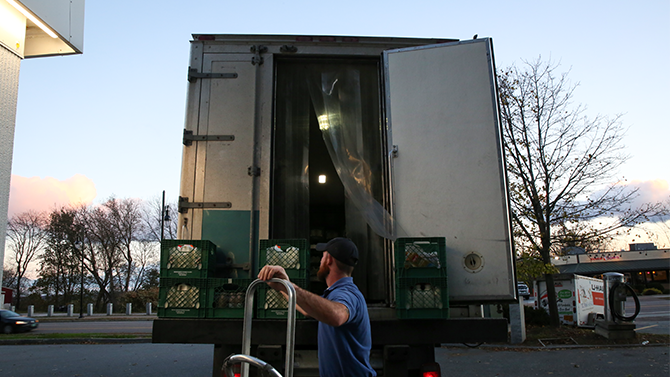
246, 335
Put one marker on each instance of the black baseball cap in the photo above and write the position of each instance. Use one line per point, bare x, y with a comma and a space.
342, 249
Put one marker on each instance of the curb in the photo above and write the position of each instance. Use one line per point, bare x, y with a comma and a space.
47, 341
96, 319
551, 347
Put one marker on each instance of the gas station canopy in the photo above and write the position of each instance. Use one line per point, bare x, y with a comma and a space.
35, 28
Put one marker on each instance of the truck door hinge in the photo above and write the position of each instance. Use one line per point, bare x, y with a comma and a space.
254, 171
394, 151
288, 49
189, 138
194, 75
184, 205
258, 50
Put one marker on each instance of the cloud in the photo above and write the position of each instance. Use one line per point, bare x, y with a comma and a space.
44, 194
650, 192
653, 191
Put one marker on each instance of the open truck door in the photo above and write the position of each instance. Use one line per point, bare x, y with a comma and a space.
447, 162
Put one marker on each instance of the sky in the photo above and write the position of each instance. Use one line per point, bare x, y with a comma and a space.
110, 122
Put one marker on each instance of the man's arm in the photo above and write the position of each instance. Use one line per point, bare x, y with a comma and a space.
323, 310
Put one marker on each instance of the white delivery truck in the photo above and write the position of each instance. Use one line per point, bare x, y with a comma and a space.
580, 299
313, 137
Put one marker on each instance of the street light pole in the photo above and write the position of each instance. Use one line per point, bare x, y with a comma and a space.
80, 247
163, 216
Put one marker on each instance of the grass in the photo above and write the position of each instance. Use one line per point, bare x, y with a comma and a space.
70, 336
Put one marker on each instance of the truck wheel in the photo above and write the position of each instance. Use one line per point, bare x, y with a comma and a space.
7, 329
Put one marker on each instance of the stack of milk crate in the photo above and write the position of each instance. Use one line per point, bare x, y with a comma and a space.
189, 287
186, 266
421, 278
293, 256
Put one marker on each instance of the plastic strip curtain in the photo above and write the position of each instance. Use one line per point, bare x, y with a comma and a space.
336, 96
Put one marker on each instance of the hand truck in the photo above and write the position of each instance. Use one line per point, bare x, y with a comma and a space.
245, 358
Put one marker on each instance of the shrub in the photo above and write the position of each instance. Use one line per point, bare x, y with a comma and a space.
658, 286
140, 298
538, 317
638, 288
651, 291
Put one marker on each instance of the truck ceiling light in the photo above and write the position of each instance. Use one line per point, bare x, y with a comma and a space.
322, 179
324, 122
32, 18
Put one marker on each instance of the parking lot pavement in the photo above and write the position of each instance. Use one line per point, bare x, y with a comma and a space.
556, 362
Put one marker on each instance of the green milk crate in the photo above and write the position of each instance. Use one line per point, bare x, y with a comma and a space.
187, 258
422, 298
182, 298
226, 297
272, 304
292, 254
424, 257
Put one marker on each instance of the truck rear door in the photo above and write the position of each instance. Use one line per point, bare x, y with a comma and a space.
217, 179
448, 168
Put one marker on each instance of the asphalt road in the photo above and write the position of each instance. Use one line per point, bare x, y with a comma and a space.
654, 317
165, 360
567, 362
178, 360
104, 327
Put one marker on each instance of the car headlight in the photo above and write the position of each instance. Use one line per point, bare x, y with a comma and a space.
21, 322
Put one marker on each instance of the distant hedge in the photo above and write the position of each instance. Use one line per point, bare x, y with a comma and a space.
651, 291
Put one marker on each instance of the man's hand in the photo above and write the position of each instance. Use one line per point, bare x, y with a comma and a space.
278, 272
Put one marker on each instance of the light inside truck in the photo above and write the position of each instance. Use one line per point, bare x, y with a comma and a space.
322, 179
323, 122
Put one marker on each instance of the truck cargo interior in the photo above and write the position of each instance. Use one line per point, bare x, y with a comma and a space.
327, 120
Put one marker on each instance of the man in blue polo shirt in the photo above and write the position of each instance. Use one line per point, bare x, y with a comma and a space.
344, 326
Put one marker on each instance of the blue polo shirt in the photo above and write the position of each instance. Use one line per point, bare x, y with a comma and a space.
345, 350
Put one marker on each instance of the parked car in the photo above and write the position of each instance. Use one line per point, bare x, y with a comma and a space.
523, 290
13, 322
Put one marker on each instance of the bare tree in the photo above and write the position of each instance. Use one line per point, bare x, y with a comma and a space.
27, 235
126, 220
145, 258
8, 276
103, 254
59, 263
561, 164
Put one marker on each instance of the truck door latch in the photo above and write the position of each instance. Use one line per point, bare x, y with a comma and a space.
189, 138
184, 205
194, 75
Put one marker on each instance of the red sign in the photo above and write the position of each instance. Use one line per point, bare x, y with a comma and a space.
599, 298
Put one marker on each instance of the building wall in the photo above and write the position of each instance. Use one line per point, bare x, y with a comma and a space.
612, 256
9, 90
